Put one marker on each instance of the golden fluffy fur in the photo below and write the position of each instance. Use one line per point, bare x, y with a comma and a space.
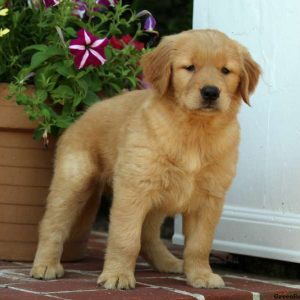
164, 151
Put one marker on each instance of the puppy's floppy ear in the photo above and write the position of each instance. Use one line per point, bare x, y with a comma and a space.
157, 67
250, 75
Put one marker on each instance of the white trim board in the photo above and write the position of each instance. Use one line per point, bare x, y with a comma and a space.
254, 232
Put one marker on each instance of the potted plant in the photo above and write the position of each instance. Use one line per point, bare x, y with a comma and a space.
59, 57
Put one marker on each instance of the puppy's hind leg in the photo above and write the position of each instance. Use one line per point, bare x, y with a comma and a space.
84, 222
153, 248
71, 188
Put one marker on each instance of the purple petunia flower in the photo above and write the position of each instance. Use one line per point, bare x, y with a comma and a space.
150, 23
49, 3
80, 9
88, 49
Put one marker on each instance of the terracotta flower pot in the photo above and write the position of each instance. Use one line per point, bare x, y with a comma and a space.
25, 175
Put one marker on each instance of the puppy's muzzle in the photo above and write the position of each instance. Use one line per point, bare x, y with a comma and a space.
210, 94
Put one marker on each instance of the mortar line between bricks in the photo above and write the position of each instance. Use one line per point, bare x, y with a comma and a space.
24, 264
95, 232
55, 297
143, 264
161, 277
35, 293
74, 291
7, 285
177, 278
12, 270
83, 272
13, 275
255, 295
91, 273
196, 296
293, 286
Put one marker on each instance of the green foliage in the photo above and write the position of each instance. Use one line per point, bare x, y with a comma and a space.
33, 53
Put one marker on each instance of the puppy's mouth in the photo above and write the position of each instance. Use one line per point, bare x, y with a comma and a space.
209, 108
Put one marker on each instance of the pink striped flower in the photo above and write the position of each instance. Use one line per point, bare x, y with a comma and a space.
107, 3
88, 49
49, 3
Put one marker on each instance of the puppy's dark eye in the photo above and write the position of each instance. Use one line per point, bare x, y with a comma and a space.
225, 71
190, 68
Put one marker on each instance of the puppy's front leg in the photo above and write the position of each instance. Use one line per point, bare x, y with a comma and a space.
199, 227
126, 219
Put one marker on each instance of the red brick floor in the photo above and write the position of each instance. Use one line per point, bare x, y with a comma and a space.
79, 282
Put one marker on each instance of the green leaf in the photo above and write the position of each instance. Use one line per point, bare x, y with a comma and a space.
62, 92
22, 99
65, 71
64, 122
46, 112
94, 82
41, 95
39, 57
109, 52
83, 84
125, 72
70, 31
91, 98
68, 107
76, 101
69, 63
43, 78
115, 87
39, 47
38, 133
52, 50
133, 81
80, 74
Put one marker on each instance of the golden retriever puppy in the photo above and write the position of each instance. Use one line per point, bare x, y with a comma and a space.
166, 150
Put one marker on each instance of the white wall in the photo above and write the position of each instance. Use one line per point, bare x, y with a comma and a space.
262, 214
269, 168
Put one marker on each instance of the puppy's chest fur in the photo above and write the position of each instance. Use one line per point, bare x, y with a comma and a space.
185, 168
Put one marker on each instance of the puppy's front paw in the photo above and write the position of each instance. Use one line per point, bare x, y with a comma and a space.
122, 280
206, 280
47, 271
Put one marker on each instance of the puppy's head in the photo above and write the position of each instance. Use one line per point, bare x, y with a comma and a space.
201, 70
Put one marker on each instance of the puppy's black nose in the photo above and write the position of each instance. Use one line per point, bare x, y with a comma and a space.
210, 92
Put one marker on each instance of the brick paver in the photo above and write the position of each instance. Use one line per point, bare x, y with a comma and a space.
79, 282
